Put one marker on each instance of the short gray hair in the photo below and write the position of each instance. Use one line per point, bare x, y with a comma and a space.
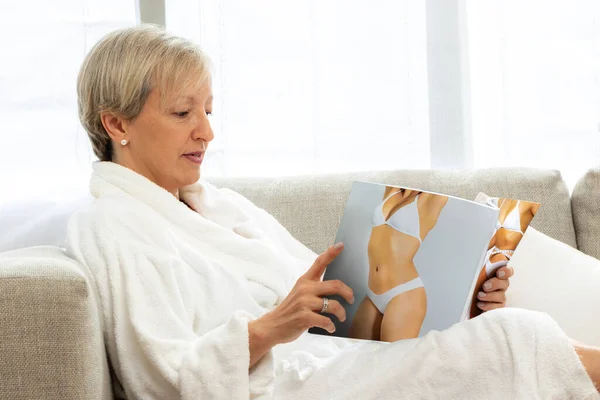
121, 70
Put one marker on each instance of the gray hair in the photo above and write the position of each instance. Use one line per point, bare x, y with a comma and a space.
121, 70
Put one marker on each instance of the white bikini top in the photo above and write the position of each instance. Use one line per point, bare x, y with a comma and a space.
404, 220
512, 222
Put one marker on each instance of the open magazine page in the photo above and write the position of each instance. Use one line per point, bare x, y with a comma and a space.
411, 258
514, 217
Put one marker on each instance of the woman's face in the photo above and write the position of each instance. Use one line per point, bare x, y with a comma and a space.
167, 141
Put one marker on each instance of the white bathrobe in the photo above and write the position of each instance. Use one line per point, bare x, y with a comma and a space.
178, 286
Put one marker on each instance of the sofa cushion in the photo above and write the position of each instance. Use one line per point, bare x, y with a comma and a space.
51, 339
557, 279
585, 202
311, 207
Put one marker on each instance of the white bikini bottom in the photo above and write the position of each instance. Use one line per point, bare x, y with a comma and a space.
491, 267
382, 300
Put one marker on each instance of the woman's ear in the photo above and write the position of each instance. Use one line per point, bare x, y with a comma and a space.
114, 125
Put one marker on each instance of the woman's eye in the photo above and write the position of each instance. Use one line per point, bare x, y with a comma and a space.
208, 112
182, 113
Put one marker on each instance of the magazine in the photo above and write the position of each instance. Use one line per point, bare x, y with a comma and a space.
417, 259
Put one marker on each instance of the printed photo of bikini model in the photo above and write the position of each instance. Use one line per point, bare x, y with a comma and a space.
396, 301
513, 219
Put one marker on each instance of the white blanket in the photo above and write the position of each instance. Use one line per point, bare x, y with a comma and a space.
177, 288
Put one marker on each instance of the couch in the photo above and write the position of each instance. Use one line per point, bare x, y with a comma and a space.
51, 343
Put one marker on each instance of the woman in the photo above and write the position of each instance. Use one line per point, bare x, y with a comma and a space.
513, 219
203, 295
396, 302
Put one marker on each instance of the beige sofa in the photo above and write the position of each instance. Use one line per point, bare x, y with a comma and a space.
51, 345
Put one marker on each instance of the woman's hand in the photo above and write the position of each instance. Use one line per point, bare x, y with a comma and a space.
300, 310
494, 290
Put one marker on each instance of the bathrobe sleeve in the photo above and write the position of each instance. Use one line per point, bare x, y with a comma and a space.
153, 306
270, 224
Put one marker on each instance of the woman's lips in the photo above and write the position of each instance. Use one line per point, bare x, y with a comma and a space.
196, 158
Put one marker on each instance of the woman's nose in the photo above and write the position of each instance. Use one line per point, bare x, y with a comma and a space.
203, 130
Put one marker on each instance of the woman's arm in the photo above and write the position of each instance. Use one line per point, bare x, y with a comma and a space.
528, 214
429, 211
261, 341
388, 190
167, 329
299, 311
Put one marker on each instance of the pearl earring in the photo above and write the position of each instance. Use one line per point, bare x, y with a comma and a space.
123, 142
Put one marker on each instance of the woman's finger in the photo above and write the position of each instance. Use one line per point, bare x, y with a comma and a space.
498, 296
487, 306
321, 321
333, 307
315, 272
335, 286
505, 272
494, 284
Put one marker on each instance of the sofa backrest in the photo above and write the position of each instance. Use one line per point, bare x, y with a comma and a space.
51, 342
311, 207
585, 202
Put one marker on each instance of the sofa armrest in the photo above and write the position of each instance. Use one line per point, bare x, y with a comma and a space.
51, 341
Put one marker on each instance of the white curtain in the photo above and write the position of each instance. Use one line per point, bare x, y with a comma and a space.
535, 83
320, 86
44, 149
309, 86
